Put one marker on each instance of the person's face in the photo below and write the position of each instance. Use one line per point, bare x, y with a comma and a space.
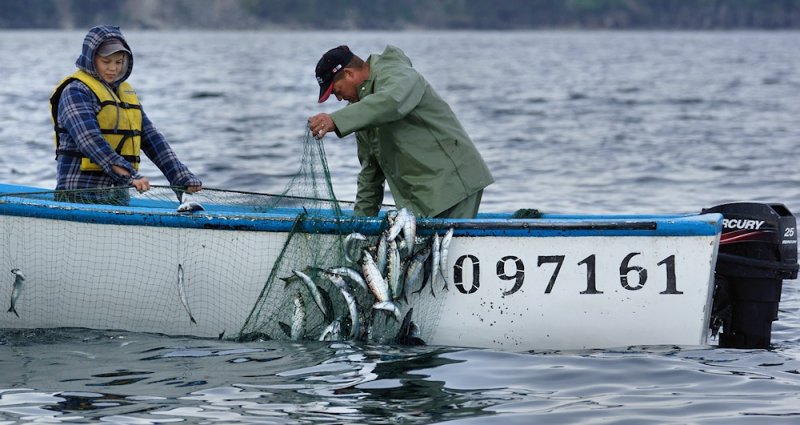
109, 67
346, 86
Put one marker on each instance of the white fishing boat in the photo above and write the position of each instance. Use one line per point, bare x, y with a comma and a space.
550, 282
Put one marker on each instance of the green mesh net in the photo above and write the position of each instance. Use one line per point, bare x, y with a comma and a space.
231, 276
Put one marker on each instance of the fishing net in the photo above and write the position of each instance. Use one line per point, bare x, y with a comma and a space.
220, 263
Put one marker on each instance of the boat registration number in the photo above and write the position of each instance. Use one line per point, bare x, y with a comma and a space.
632, 277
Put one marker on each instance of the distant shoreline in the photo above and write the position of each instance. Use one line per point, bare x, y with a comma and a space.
405, 15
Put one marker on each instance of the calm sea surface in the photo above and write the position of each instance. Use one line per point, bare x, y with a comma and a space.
585, 122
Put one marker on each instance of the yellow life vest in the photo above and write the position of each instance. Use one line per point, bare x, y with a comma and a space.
120, 119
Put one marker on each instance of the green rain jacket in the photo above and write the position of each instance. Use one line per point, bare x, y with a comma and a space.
408, 136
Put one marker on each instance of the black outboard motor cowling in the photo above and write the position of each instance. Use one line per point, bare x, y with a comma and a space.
758, 249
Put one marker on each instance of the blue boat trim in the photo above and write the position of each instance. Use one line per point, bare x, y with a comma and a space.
220, 217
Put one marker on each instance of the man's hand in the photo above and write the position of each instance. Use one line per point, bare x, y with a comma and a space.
320, 125
142, 185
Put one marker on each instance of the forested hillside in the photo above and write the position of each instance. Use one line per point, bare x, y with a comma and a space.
403, 14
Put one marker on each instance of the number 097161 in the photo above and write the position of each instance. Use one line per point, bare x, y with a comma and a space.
511, 268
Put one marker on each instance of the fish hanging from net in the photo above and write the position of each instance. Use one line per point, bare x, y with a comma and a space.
239, 265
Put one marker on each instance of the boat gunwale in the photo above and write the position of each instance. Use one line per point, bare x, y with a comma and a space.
325, 222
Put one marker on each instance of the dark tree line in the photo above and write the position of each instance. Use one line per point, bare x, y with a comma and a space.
404, 14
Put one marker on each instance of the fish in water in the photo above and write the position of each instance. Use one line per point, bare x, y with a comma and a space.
332, 332
409, 332
296, 330
182, 294
298, 318
352, 306
16, 290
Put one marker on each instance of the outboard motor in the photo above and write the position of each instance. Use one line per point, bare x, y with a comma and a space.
757, 250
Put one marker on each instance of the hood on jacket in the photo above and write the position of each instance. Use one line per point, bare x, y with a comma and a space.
393, 53
94, 38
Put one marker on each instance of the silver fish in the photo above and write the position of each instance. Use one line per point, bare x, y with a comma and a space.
390, 217
352, 274
388, 306
189, 205
436, 261
380, 253
348, 242
182, 294
298, 318
395, 281
402, 247
409, 231
313, 290
352, 303
444, 251
414, 330
375, 281
335, 278
398, 224
16, 290
352, 306
293, 278
332, 332
415, 272
409, 333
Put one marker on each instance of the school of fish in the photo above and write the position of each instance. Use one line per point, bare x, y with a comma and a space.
388, 272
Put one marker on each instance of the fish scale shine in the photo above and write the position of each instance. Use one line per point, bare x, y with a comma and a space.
375, 281
415, 272
410, 232
393, 270
444, 252
182, 294
352, 274
313, 290
16, 291
298, 318
435, 263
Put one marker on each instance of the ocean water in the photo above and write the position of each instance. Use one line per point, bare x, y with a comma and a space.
583, 122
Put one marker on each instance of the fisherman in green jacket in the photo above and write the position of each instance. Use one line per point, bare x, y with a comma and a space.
406, 135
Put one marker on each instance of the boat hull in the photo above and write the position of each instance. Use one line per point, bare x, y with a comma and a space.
568, 293
559, 282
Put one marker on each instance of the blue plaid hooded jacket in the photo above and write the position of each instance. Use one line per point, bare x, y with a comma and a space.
77, 113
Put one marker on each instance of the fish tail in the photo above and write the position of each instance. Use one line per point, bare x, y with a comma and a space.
13, 310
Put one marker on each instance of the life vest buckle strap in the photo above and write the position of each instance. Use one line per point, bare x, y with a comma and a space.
64, 152
126, 133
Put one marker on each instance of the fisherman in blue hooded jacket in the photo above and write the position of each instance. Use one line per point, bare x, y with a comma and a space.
101, 128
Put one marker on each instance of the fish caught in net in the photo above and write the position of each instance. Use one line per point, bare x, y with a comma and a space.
241, 265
